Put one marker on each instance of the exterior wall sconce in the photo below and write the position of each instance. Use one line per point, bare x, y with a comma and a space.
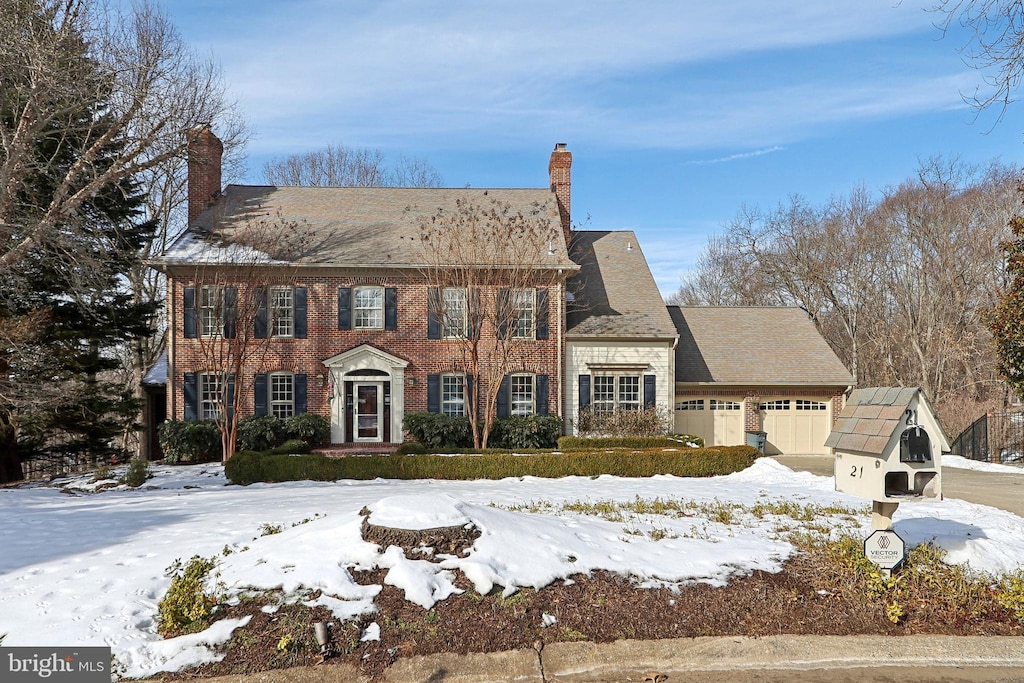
411, 381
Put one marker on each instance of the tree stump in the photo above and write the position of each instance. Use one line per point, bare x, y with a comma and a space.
445, 540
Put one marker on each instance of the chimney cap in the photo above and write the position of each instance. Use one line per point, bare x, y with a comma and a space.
560, 146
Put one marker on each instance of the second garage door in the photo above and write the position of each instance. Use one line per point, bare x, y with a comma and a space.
796, 425
719, 421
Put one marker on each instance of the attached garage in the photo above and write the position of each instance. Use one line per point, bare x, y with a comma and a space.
750, 369
796, 425
719, 421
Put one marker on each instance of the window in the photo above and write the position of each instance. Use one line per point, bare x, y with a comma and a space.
779, 404
282, 307
455, 317
695, 404
209, 396
801, 404
616, 392
211, 302
368, 308
453, 395
521, 395
718, 404
522, 314
282, 394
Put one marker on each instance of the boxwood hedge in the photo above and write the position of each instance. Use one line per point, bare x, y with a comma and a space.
249, 467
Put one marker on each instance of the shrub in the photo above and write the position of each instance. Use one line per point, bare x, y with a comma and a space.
309, 427
647, 422
580, 443
411, 448
261, 433
438, 432
291, 446
249, 467
535, 431
186, 607
138, 472
186, 442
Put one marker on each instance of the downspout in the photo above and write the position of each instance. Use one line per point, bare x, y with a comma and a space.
561, 350
171, 346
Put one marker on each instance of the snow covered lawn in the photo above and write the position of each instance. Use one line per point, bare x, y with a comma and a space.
78, 567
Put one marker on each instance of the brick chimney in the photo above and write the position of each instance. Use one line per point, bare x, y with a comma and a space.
204, 160
559, 172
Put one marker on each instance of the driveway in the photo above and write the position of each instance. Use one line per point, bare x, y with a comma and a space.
1001, 490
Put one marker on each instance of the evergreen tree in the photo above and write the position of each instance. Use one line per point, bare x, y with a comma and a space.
1006, 319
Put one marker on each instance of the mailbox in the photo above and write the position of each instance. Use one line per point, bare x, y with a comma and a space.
888, 446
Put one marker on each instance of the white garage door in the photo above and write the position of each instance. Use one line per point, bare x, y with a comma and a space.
796, 425
718, 420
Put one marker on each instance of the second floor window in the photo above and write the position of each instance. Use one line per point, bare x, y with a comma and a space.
455, 319
211, 307
282, 305
368, 308
523, 313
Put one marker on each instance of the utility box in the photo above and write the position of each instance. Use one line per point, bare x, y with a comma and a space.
888, 446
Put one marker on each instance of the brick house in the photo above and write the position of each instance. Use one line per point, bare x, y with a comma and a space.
352, 337
355, 335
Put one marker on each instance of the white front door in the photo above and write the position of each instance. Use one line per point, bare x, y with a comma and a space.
367, 412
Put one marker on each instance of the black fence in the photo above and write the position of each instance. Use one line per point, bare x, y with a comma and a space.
994, 437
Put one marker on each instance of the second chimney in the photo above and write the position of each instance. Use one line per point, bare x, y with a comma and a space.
559, 171
204, 169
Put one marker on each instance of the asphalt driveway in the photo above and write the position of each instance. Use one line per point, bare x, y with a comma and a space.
1001, 490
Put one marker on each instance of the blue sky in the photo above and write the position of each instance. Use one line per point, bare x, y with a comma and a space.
677, 112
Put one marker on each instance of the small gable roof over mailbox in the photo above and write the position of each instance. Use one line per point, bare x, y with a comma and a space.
872, 416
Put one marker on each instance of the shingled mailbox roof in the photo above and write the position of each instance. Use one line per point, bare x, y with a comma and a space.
870, 418
753, 345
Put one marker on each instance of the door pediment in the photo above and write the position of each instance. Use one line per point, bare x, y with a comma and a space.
365, 357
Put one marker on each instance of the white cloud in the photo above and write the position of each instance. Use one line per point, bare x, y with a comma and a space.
738, 157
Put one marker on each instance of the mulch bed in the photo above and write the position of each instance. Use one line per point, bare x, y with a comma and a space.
603, 607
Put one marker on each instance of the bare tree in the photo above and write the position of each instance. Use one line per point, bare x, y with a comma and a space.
491, 278
996, 44
343, 166
230, 316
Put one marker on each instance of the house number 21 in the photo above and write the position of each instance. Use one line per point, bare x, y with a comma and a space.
857, 471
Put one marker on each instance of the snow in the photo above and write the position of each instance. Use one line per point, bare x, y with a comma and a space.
83, 566
962, 463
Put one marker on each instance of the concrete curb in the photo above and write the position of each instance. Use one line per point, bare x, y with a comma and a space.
679, 658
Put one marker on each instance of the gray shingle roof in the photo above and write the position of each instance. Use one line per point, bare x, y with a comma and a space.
355, 226
615, 293
753, 345
869, 419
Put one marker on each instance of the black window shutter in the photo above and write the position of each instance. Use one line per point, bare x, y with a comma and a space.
503, 395
259, 388
584, 391
260, 323
390, 308
191, 391
230, 312
299, 387
650, 397
344, 308
299, 299
229, 401
433, 393
542, 314
433, 308
505, 313
189, 302
475, 314
470, 406
541, 394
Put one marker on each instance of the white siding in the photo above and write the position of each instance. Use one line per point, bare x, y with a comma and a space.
588, 358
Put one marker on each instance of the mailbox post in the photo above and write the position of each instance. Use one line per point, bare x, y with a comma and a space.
888, 447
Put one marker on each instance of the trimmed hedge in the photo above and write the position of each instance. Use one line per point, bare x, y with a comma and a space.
439, 432
248, 467
580, 443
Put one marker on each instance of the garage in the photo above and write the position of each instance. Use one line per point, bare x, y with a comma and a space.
719, 421
796, 425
